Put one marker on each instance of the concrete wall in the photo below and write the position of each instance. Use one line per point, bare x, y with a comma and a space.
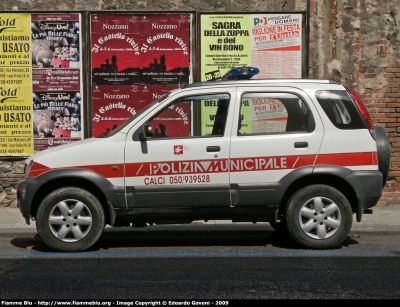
355, 42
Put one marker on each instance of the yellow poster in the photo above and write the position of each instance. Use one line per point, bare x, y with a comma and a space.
225, 44
16, 133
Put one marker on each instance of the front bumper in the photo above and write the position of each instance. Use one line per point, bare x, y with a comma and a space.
26, 190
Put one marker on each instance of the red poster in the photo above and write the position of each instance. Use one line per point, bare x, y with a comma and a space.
176, 119
112, 105
135, 59
140, 49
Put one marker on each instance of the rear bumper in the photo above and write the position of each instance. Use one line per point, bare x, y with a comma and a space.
368, 187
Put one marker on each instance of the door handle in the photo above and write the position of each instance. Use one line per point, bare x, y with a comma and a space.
300, 144
213, 148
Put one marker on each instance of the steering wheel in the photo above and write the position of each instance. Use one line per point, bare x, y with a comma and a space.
163, 129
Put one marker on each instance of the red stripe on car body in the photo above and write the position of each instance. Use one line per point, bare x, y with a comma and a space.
247, 164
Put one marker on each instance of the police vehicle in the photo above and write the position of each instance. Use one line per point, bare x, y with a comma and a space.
301, 154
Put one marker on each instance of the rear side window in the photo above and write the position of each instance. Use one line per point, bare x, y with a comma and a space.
270, 113
340, 109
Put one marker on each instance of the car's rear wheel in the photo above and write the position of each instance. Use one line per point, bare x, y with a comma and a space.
319, 217
70, 219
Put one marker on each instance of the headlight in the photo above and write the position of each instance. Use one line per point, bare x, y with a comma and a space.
28, 167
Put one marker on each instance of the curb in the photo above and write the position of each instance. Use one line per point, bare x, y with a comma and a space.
383, 219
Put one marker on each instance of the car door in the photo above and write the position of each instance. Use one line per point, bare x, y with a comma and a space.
275, 139
185, 161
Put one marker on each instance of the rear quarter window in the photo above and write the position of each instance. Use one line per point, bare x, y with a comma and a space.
271, 113
340, 109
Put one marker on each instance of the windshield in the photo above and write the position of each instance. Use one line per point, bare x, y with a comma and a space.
141, 111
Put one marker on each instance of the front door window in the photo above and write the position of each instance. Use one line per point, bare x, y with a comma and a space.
192, 116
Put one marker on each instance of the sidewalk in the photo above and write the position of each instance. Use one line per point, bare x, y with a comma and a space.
382, 219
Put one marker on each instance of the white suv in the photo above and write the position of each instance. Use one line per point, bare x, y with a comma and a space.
300, 154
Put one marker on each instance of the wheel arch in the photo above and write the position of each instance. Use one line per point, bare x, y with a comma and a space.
80, 179
338, 182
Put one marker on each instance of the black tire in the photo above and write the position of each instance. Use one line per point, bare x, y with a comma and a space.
70, 219
279, 226
319, 217
383, 145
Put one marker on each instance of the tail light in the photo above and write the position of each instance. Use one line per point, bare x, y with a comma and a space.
363, 110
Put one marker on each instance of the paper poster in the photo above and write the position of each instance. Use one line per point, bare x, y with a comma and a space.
57, 97
15, 86
136, 58
112, 105
270, 42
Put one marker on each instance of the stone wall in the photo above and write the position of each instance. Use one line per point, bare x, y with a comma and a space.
355, 42
156, 5
11, 171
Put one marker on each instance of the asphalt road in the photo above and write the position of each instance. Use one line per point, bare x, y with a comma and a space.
231, 264
222, 277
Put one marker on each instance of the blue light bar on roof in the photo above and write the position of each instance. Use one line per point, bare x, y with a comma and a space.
240, 73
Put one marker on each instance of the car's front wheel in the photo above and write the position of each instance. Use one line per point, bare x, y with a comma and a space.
319, 217
279, 226
70, 219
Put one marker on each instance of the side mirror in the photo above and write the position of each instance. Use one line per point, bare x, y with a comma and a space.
146, 132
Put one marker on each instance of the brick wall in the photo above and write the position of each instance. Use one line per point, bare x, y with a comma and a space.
379, 77
384, 107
